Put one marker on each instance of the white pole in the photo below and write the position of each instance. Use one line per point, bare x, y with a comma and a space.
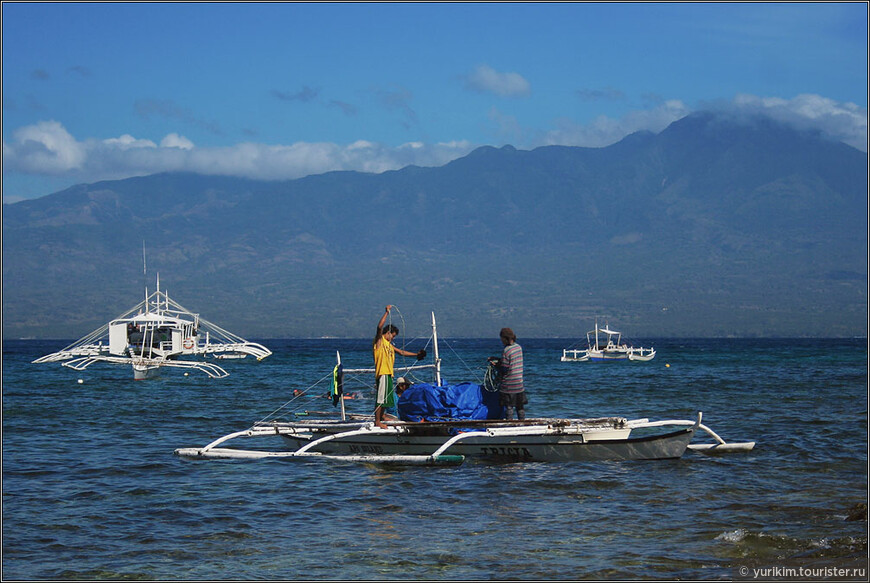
340, 397
145, 274
596, 334
437, 358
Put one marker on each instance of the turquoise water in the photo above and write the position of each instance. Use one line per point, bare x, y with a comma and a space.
92, 490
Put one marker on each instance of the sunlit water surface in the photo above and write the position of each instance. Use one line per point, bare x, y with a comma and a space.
92, 489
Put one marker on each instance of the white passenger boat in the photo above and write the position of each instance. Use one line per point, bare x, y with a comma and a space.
438, 440
158, 332
606, 345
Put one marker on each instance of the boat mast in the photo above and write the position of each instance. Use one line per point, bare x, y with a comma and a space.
340, 397
145, 275
596, 333
437, 358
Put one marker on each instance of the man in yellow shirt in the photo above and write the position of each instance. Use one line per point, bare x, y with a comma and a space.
385, 358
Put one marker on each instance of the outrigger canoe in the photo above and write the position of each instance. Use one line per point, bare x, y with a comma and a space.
451, 441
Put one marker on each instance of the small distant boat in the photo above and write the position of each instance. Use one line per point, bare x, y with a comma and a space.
158, 332
606, 345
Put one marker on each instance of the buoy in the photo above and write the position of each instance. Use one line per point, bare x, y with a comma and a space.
187, 374
667, 366
81, 381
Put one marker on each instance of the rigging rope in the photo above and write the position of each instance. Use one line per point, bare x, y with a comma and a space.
404, 336
277, 411
405, 340
474, 372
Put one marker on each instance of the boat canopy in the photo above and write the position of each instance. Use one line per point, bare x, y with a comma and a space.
152, 317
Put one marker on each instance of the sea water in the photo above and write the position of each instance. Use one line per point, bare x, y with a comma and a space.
92, 489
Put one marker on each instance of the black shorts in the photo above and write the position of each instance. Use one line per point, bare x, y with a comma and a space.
516, 400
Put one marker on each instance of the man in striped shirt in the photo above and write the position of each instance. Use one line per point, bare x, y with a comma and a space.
512, 395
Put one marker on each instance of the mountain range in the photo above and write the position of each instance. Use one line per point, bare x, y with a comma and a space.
714, 227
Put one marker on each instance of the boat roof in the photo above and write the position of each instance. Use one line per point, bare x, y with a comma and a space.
155, 317
604, 330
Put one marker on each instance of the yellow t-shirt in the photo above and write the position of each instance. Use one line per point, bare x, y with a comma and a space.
385, 357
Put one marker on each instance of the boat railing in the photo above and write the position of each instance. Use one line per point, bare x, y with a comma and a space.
398, 369
254, 349
86, 350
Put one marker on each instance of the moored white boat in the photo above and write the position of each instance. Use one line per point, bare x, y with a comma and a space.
450, 441
535, 440
606, 345
156, 333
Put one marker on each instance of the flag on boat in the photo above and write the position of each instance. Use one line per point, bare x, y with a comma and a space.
337, 387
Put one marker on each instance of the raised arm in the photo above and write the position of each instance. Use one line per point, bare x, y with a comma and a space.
381, 323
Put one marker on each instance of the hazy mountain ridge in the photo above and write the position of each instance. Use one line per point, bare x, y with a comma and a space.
711, 227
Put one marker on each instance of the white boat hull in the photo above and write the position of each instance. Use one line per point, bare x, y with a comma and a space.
516, 448
449, 443
143, 372
607, 355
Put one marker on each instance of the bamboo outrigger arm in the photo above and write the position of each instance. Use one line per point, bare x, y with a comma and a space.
721, 446
210, 451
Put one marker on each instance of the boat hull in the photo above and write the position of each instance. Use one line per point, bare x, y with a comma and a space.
606, 356
592, 355
145, 372
523, 448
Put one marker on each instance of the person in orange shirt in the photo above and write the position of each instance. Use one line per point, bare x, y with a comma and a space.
385, 358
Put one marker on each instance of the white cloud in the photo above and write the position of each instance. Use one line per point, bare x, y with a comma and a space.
840, 121
845, 122
44, 148
47, 148
485, 79
128, 141
361, 145
176, 141
603, 130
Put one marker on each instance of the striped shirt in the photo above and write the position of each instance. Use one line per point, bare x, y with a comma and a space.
511, 365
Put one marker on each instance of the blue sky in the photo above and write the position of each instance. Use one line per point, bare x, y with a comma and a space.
101, 91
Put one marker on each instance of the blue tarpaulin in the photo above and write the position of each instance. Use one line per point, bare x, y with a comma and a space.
462, 401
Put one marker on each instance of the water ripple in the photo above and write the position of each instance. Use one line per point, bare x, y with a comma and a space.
91, 489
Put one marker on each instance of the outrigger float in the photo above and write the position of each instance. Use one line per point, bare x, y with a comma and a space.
157, 332
355, 438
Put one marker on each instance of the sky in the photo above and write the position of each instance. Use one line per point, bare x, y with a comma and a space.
276, 91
